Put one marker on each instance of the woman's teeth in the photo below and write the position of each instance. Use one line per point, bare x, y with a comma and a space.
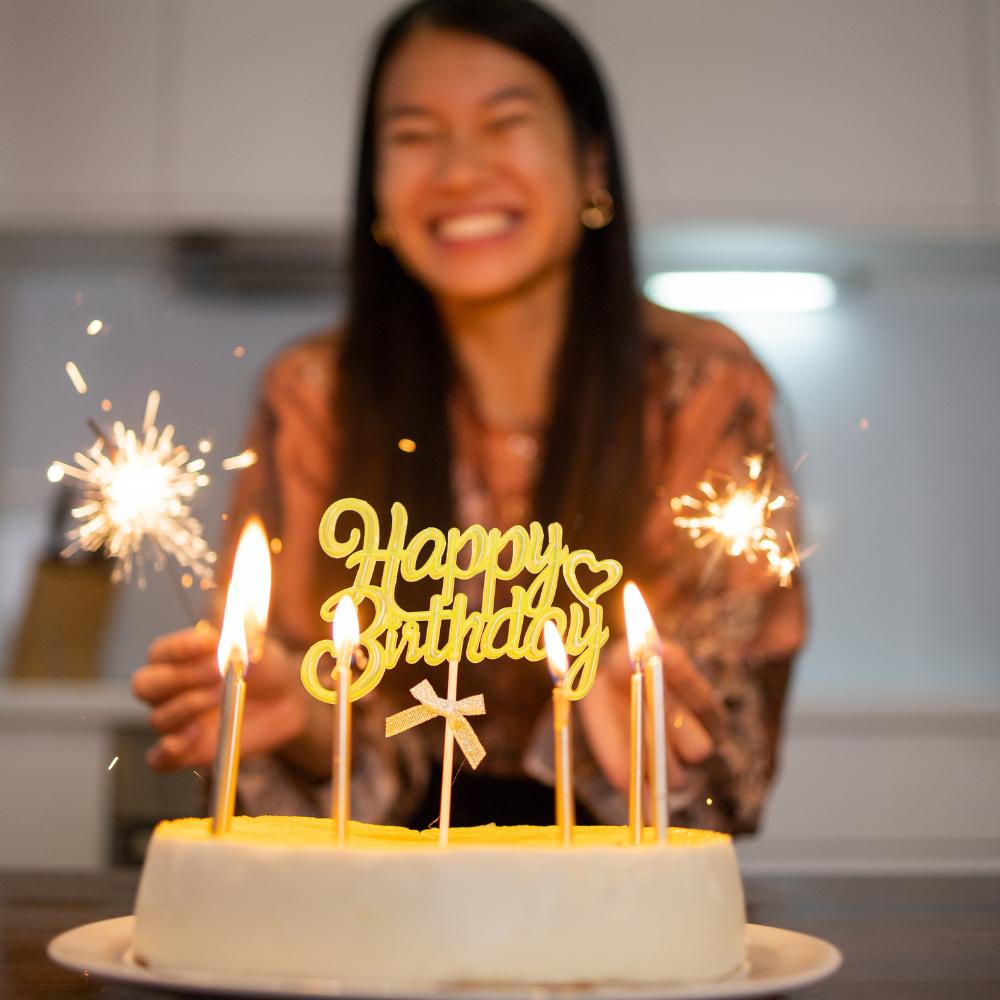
475, 225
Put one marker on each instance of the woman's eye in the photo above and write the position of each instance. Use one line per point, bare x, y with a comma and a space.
409, 138
508, 121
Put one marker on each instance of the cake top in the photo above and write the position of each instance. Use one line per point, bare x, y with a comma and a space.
307, 831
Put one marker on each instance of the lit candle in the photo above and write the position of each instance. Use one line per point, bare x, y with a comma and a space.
345, 638
563, 730
246, 612
643, 642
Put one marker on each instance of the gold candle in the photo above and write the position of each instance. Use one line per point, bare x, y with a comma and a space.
635, 789
345, 638
643, 642
227, 752
244, 620
653, 673
562, 719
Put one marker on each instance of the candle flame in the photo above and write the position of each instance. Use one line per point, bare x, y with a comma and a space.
555, 652
252, 574
345, 623
233, 637
642, 635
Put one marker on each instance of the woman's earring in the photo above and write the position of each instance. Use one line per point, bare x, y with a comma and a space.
383, 233
598, 209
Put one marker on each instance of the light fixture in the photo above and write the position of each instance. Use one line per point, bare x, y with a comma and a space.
741, 291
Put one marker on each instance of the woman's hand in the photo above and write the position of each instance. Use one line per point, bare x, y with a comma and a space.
183, 686
693, 714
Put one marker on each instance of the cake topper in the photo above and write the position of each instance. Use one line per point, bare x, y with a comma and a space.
535, 560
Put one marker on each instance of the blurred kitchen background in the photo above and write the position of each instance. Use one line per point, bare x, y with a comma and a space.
178, 171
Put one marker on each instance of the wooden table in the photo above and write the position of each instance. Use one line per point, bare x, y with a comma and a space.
903, 938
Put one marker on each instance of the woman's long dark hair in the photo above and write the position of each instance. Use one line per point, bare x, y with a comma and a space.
395, 368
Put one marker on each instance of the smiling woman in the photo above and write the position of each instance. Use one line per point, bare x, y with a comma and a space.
494, 328
486, 111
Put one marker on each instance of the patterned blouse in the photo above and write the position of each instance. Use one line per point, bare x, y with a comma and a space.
708, 407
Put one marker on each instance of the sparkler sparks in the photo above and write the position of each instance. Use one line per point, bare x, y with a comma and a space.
76, 378
241, 461
136, 493
736, 516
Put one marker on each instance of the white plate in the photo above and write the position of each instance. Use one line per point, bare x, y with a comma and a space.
777, 961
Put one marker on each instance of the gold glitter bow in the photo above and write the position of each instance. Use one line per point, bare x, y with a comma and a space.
454, 712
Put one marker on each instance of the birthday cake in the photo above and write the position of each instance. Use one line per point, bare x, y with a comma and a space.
379, 909
276, 897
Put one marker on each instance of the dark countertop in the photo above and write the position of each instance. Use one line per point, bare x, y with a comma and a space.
903, 938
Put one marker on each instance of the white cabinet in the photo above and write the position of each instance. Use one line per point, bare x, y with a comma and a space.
80, 103
56, 740
266, 95
267, 108
853, 112
180, 113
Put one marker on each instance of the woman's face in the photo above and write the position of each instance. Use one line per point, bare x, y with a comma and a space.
477, 169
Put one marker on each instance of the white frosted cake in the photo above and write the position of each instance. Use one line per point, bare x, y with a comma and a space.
276, 897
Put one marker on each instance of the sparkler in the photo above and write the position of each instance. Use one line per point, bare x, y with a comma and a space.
136, 493
736, 517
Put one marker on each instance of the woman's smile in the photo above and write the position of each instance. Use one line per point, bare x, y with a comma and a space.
472, 228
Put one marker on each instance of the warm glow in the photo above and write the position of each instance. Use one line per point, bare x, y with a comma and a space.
94, 327
252, 577
139, 491
408, 445
642, 635
345, 624
740, 520
55, 473
555, 652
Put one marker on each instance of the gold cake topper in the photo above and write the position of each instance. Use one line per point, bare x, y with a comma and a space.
447, 629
